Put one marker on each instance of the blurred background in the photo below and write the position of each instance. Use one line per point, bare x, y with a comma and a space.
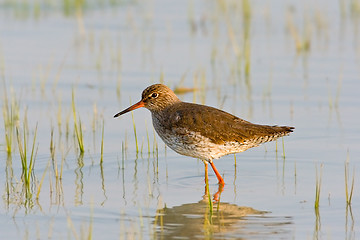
69, 170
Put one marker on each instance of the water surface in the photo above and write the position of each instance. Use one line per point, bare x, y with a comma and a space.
286, 63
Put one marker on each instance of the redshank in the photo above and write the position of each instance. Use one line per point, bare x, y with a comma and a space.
201, 131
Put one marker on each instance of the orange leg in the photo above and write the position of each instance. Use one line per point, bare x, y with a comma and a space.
221, 180
206, 178
217, 194
206, 172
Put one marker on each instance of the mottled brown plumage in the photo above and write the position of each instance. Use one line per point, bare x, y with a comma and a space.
201, 131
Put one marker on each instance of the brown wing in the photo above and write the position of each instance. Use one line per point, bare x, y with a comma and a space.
220, 126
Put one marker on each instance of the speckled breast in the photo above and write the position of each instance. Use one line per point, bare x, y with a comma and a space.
193, 144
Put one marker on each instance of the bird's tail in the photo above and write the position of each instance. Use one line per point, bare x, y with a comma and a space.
271, 133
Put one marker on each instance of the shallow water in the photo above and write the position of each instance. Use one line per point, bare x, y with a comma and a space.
109, 53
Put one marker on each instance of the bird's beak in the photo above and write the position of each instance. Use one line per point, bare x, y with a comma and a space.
133, 107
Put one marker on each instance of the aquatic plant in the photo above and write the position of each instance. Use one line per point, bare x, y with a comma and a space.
102, 143
318, 186
77, 127
11, 116
210, 203
147, 137
135, 135
349, 193
27, 162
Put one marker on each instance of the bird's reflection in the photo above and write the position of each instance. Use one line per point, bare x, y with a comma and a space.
196, 220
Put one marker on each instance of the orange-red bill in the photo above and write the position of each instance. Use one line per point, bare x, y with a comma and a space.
133, 107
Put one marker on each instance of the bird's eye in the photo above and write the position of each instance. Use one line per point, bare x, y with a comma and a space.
154, 95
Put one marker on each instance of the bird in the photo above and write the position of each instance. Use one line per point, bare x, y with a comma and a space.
201, 131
